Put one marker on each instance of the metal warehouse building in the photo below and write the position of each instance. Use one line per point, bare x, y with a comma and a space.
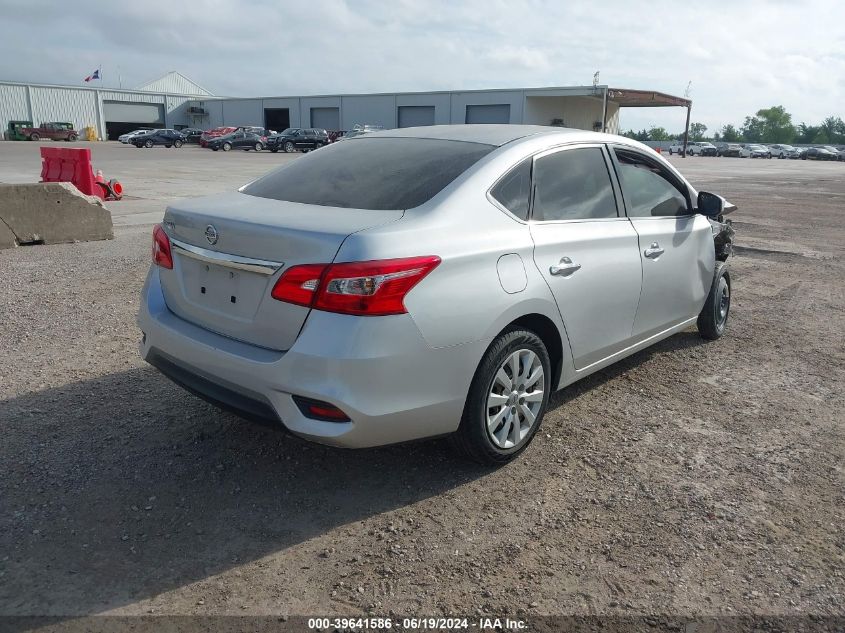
174, 101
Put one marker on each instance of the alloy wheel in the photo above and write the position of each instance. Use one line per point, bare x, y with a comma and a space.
723, 305
515, 398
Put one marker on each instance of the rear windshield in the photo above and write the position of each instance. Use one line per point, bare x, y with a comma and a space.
371, 173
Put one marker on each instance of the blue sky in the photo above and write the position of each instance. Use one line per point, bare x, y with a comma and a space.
740, 55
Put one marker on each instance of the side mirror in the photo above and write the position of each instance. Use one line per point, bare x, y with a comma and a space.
712, 206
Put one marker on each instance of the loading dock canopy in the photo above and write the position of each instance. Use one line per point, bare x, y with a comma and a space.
645, 99
651, 99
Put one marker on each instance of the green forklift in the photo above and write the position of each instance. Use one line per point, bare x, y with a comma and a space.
15, 127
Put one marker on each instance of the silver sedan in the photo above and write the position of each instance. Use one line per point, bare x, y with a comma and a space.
432, 281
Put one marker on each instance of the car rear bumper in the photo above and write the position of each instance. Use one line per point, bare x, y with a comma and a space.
378, 370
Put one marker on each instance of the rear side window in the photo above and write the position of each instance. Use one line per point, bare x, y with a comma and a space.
514, 190
573, 185
648, 190
371, 173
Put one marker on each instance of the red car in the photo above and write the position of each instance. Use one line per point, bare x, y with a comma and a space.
218, 131
55, 131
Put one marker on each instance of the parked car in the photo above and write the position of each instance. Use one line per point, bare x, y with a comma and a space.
818, 153
127, 138
728, 149
840, 154
702, 148
677, 147
263, 132
360, 129
236, 140
297, 139
191, 134
166, 137
780, 150
392, 317
753, 150
54, 131
215, 133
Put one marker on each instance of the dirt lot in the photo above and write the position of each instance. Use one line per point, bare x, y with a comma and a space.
691, 479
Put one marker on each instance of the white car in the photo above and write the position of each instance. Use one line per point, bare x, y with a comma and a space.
127, 138
784, 151
752, 150
678, 148
701, 148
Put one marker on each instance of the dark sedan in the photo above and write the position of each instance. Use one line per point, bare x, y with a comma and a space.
297, 139
728, 149
237, 140
168, 138
818, 153
191, 134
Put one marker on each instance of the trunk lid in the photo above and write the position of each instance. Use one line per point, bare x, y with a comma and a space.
222, 276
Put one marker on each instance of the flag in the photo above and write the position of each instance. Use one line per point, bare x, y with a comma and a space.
94, 75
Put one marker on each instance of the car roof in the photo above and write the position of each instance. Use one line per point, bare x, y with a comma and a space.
489, 134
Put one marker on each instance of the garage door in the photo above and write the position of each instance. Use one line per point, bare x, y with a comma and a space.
326, 118
413, 116
490, 113
124, 116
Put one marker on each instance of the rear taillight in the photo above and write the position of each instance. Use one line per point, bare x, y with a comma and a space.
373, 288
161, 248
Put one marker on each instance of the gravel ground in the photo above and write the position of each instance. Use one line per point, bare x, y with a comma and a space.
690, 479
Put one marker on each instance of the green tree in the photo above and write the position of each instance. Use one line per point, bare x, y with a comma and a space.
832, 130
808, 133
696, 132
752, 130
642, 135
659, 134
775, 125
730, 134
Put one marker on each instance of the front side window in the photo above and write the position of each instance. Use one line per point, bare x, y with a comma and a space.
647, 188
573, 185
514, 190
371, 173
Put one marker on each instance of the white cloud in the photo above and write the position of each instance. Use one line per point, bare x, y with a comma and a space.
740, 56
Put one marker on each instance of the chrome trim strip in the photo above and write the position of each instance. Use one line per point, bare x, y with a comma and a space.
261, 266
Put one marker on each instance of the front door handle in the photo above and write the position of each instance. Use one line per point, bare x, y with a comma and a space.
654, 251
565, 268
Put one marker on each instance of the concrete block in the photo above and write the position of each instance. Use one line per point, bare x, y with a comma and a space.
51, 213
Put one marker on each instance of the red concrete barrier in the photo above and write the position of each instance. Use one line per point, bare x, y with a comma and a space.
70, 164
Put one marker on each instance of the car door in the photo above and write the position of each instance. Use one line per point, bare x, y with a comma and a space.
675, 244
585, 249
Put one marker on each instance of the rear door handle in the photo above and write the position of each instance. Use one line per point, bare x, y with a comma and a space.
654, 251
565, 268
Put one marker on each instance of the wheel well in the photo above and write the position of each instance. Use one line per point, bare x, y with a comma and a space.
545, 328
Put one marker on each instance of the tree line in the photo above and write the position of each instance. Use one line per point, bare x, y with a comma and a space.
769, 125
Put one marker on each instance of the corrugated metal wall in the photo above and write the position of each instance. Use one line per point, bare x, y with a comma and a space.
13, 105
64, 104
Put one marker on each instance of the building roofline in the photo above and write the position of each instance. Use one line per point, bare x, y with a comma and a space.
175, 72
6, 82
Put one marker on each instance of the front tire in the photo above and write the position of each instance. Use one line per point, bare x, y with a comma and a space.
34, 137
177, 144
71, 138
714, 315
226, 147
289, 147
507, 399
148, 144
258, 147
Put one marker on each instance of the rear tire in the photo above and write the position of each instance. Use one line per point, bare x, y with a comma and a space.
71, 138
714, 315
34, 137
505, 407
148, 144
